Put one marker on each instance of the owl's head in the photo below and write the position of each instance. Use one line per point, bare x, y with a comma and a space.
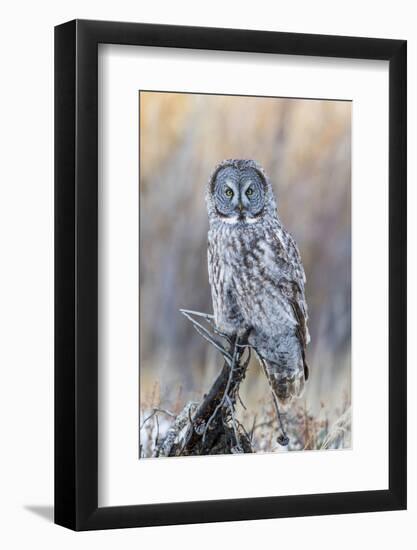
239, 192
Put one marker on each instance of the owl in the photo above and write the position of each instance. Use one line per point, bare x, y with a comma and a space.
256, 275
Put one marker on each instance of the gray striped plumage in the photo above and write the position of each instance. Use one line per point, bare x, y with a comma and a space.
256, 275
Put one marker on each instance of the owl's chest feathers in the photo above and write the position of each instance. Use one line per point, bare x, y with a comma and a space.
240, 257
241, 250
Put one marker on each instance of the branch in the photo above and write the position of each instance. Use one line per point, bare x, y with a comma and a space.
211, 427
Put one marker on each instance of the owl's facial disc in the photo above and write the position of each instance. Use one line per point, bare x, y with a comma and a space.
239, 195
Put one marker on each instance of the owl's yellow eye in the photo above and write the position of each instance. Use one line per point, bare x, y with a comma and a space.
249, 191
228, 192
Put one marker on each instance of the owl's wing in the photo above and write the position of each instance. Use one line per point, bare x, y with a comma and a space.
294, 289
286, 279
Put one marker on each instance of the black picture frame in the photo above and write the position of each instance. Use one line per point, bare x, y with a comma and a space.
76, 272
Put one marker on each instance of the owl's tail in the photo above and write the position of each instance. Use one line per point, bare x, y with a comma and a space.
286, 383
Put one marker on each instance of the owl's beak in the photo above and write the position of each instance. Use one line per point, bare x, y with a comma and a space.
241, 213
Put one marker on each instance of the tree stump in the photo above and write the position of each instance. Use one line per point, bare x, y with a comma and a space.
211, 427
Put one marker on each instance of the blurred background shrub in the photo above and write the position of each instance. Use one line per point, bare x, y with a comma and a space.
305, 148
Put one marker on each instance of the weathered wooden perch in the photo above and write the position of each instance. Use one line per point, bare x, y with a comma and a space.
211, 427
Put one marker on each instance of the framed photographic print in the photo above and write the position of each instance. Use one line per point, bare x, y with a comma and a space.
230, 248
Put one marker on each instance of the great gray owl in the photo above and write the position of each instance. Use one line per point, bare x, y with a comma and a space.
256, 275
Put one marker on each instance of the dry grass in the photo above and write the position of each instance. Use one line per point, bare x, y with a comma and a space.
328, 429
